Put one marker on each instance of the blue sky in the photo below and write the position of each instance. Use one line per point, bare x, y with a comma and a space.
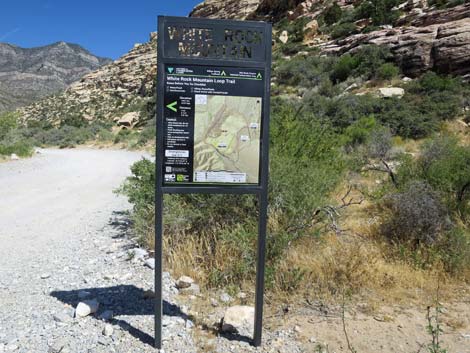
105, 27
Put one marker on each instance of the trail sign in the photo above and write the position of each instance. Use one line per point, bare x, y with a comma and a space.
213, 93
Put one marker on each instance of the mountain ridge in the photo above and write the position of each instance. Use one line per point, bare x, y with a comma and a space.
29, 74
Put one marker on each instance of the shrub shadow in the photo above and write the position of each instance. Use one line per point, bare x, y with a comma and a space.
121, 223
123, 300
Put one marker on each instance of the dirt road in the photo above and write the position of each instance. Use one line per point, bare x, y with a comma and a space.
61, 242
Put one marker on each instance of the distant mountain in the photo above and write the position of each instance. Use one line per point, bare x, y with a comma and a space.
29, 74
126, 85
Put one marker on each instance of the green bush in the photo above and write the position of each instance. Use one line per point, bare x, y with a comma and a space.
344, 68
332, 14
387, 71
359, 132
20, 148
303, 151
8, 122
429, 214
379, 10
343, 30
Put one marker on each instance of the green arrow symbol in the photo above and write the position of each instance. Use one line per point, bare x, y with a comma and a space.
172, 106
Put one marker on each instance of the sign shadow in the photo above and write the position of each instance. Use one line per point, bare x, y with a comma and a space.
123, 300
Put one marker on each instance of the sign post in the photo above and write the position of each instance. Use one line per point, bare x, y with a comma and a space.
213, 94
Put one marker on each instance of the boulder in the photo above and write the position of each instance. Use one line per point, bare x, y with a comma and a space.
150, 263
86, 308
194, 289
108, 330
311, 30
389, 92
128, 120
184, 282
239, 320
284, 37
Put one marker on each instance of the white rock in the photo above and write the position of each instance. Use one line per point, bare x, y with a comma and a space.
241, 296
389, 92
406, 79
239, 319
108, 330
86, 308
128, 119
150, 263
45, 276
184, 282
225, 298
214, 302
138, 253
284, 37
193, 289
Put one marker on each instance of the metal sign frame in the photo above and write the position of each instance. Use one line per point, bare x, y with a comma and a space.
261, 189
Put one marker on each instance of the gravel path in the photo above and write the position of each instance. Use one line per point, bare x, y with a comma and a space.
63, 241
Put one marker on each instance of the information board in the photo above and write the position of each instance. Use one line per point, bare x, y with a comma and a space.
214, 77
213, 85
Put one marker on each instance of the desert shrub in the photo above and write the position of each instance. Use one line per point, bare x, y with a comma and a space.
74, 119
370, 59
148, 133
379, 10
343, 30
332, 14
8, 122
359, 132
122, 136
304, 71
21, 148
379, 143
431, 82
224, 226
344, 68
415, 215
446, 166
295, 29
387, 71
369, 62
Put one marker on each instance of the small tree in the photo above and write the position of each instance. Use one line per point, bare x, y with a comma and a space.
8, 122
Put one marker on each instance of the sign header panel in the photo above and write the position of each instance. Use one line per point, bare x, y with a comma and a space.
213, 84
220, 40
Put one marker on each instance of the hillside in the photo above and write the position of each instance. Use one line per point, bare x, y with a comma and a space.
29, 74
115, 89
419, 37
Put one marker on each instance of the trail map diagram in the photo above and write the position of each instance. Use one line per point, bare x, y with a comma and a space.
227, 139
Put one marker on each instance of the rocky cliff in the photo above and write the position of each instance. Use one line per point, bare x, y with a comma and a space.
27, 75
425, 40
422, 38
119, 87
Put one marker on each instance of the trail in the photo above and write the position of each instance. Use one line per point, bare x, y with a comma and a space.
62, 232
